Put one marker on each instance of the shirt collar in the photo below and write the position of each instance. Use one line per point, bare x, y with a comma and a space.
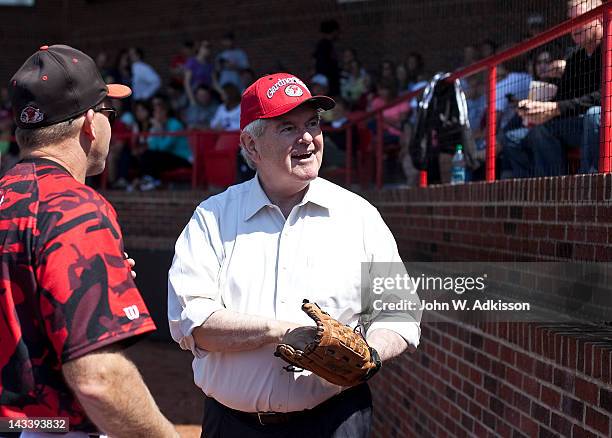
317, 194
257, 198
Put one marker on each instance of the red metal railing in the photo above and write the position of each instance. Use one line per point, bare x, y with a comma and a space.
603, 12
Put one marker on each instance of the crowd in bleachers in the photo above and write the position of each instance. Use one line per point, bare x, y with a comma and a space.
207, 78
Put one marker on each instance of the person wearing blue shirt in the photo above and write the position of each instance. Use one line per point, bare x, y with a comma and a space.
164, 152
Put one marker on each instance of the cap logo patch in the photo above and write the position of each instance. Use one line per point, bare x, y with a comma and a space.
285, 81
293, 91
31, 115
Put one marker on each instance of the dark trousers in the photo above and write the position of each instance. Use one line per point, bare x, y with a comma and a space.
347, 415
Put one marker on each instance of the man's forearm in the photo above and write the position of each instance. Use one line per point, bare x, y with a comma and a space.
226, 330
387, 343
115, 398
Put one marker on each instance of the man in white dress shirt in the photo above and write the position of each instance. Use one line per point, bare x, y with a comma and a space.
250, 255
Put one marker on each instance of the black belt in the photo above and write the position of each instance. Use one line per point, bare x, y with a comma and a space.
270, 418
267, 418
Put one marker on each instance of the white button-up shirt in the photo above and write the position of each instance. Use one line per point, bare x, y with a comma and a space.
238, 252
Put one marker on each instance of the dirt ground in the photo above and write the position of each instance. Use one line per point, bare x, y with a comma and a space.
166, 370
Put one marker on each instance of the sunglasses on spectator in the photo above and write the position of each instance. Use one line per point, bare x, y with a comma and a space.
110, 113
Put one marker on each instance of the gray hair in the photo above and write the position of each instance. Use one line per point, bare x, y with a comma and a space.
53, 134
255, 129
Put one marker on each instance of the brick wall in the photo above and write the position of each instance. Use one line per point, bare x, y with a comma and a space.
275, 35
505, 379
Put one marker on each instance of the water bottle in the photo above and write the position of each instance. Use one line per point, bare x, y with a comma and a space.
458, 167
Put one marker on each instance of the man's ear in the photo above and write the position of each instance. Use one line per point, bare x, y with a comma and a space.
248, 144
88, 128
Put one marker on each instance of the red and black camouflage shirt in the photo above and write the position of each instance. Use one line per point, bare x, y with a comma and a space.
65, 288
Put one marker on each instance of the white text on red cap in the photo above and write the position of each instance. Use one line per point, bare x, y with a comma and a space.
284, 81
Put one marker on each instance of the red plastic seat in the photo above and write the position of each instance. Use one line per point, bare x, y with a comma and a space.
220, 161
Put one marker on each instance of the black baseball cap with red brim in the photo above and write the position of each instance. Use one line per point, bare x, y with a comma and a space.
58, 83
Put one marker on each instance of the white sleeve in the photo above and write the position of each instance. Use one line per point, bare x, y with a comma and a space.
193, 293
243, 60
152, 80
215, 123
385, 262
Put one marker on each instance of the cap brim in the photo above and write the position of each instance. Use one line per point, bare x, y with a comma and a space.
322, 102
118, 91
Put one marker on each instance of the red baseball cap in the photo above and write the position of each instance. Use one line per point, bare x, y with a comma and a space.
276, 94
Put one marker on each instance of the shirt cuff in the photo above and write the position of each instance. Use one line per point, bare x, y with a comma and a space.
410, 331
197, 311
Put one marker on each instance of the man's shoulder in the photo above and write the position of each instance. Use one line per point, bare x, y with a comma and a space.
62, 193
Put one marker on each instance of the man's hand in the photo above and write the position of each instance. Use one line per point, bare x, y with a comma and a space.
132, 263
299, 337
534, 112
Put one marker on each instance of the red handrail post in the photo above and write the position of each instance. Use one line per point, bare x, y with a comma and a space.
605, 144
379, 149
423, 178
491, 122
349, 154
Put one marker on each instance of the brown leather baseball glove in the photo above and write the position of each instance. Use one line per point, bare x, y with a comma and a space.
334, 352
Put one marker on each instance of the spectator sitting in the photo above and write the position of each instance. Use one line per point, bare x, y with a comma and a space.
487, 48
348, 56
120, 144
139, 123
5, 101
145, 80
401, 77
387, 71
105, 69
541, 67
470, 55
394, 116
571, 119
177, 98
354, 85
198, 70
415, 66
230, 62
227, 116
177, 63
164, 152
512, 86
335, 141
247, 77
201, 109
122, 70
319, 86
